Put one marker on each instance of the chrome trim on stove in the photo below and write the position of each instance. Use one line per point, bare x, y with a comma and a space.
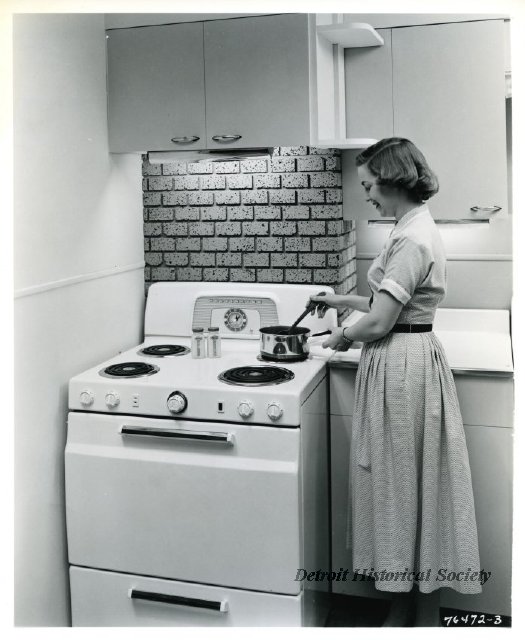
216, 437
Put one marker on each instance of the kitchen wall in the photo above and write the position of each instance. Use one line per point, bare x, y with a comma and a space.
275, 219
78, 276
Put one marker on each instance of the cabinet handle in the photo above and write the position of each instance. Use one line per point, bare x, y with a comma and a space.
227, 138
493, 209
185, 139
220, 437
214, 605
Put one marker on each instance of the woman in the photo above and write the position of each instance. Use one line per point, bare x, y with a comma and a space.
413, 518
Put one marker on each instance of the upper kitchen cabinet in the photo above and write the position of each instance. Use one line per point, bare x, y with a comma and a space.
448, 97
156, 96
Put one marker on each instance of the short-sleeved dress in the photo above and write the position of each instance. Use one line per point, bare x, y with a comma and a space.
411, 518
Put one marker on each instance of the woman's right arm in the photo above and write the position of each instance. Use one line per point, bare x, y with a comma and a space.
349, 301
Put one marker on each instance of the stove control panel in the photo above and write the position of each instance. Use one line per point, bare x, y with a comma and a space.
112, 399
245, 408
274, 411
86, 398
177, 402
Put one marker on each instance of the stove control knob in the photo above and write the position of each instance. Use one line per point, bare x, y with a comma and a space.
177, 402
274, 411
87, 398
112, 399
245, 409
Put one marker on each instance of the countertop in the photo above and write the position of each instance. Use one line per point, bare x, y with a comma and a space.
476, 341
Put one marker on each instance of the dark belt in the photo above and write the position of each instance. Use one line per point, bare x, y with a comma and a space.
411, 328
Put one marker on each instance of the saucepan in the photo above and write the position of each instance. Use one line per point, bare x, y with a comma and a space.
288, 342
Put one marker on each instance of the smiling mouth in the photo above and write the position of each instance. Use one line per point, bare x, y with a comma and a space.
374, 203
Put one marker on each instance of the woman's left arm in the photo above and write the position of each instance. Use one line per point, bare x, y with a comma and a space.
373, 326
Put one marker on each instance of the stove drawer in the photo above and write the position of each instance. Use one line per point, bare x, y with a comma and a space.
222, 511
102, 598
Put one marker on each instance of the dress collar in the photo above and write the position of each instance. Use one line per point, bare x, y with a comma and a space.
410, 215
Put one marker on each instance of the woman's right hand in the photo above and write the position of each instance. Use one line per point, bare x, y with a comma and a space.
324, 302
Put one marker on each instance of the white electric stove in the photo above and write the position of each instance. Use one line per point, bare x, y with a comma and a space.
197, 489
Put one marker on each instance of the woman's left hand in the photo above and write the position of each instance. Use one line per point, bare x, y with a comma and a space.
336, 341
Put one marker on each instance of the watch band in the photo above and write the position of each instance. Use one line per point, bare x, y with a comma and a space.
345, 338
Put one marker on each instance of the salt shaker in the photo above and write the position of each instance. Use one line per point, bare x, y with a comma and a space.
214, 342
198, 349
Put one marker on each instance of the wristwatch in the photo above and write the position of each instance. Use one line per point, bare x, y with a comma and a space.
347, 340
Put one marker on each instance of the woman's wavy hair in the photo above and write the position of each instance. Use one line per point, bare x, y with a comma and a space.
397, 162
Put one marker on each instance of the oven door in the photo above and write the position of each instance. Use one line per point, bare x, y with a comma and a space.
195, 501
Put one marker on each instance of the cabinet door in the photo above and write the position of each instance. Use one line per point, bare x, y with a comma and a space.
449, 99
156, 88
257, 81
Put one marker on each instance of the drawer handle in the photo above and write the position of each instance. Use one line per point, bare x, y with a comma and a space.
199, 603
219, 437
493, 209
185, 139
227, 138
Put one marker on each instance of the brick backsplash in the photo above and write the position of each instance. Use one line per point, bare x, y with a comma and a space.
277, 220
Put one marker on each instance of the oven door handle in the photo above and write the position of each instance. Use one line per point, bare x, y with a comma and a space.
214, 605
219, 437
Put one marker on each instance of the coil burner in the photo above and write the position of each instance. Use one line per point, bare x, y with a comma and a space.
256, 376
164, 350
129, 370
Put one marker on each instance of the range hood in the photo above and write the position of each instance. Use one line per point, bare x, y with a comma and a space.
209, 155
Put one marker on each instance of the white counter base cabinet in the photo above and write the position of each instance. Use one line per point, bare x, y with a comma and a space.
487, 409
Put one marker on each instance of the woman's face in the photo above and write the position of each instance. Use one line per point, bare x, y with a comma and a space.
383, 198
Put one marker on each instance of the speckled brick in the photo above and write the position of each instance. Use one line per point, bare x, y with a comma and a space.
296, 212
187, 213
200, 198
310, 163
320, 151
240, 182
269, 244
303, 276
334, 227
240, 213
228, 197
255, 228
257, 165
200, 168
152, 229
162, 273
297, 244
293, 151
162, 244
271, 212
311, 228
174, 199
185, 183
270, 275
215, 244
151, 169
282, 165
311, 196
216, 275
255, 197
284, 259
151, 199
153, 259
189, 273
326, 244
201, 229
227, 167
332, 163
242, 275
229, 259
282, 196
312, 260
213, 182
178, 259
267, 181
242, 244
146, 244
174, 169
295, 180
202, 259
188, 244
228, 228
147, 277
213, 213
256, 259
334, 195
325, 276
326, 212
160, 213
332, 260
325, 179
175, 228
160, 184
283, 228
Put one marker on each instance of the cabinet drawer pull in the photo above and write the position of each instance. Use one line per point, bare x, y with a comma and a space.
227, 138
219, 437
185, 139
493, 209
214, 605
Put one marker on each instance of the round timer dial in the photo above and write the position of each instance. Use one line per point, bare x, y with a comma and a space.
235, 319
